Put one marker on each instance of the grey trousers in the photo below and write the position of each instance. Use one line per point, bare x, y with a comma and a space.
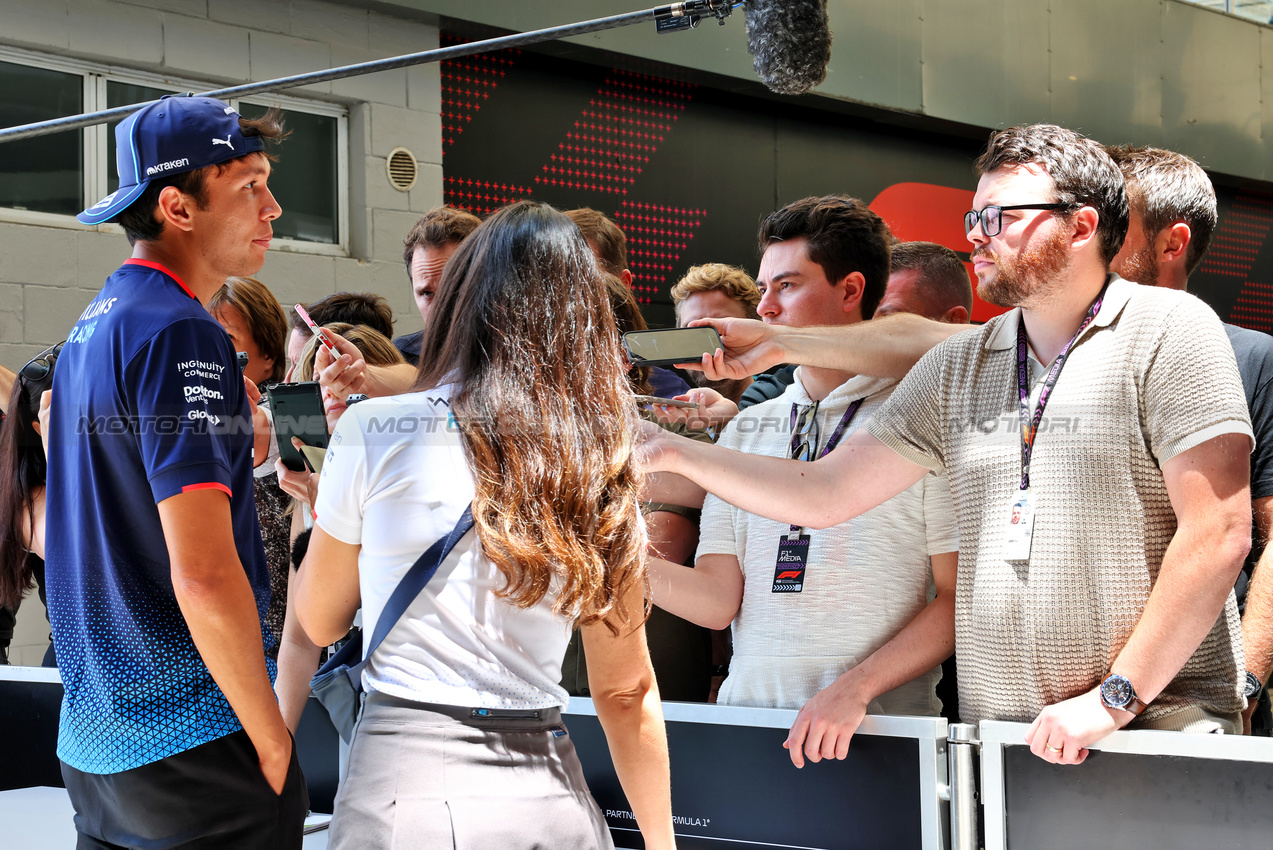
431, 776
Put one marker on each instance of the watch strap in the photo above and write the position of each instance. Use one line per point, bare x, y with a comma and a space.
1136, 706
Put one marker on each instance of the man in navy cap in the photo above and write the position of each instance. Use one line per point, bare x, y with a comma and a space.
170, 735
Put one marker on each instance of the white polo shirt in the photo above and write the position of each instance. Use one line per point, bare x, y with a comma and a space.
394, 481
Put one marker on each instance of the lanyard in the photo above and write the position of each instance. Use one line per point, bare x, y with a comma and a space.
1030, 424
831, 443
835, 435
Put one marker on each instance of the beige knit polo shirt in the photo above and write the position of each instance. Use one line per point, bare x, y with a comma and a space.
1152, 376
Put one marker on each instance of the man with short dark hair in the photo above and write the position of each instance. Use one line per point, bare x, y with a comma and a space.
846, 608
607, 241
774, 383
929, 280
431, 242
1173, 213
610, 247
170, 734
1133, 489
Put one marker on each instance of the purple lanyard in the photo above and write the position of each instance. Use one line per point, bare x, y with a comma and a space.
1030, 424
835, 435
831, 443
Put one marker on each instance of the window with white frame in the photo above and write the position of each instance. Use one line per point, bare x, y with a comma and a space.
49, 178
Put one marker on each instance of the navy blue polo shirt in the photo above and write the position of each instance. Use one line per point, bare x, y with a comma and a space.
148, 403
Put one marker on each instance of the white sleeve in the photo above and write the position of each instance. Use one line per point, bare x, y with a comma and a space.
716, 529
717, 526
342, 486
939, 515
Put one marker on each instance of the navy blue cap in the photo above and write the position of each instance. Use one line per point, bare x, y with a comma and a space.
175, 134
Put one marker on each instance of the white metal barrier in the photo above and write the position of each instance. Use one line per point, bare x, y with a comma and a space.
1137, 789
909, 782
733, 784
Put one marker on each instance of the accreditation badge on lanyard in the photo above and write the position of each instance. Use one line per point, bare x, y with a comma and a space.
1019, 534
793, 547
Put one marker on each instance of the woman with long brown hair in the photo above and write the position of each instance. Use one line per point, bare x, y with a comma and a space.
22, 476
522, 409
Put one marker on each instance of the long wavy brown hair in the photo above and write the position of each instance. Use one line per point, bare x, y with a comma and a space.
22, 473
522, 325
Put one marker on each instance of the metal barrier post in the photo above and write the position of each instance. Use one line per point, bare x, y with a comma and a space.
963, 786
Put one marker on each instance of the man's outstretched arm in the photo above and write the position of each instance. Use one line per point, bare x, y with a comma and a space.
884, 348
861, 473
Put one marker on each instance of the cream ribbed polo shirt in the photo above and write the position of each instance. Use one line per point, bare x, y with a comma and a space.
1151, 377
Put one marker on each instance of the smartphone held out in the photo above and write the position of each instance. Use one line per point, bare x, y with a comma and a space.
298, 412
671, 346
655, 401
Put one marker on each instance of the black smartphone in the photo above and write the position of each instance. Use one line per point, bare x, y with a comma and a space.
242, 357
298, 412
674, 345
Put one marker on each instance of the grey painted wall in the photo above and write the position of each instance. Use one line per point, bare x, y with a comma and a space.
1162, 72
49, 273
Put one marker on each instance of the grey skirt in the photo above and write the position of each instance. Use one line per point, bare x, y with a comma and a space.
431, 776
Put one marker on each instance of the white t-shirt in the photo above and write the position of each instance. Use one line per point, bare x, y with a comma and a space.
395, 480
866, 578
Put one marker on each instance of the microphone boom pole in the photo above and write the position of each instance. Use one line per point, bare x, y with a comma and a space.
689, 10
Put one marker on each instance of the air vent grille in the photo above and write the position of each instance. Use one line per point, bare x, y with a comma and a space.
402, 169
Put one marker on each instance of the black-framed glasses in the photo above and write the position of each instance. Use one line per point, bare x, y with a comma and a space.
805, 434
991, 217
39, 366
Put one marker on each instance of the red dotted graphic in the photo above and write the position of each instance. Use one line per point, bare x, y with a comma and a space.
616, 134
481, 196
1234, 248
658, 235
467, 84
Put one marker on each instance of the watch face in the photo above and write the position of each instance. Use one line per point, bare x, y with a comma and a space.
1253, 685
1116, 691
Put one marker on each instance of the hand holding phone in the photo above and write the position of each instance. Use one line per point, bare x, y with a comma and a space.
298, 412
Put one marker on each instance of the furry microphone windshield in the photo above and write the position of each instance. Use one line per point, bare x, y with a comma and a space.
790, 43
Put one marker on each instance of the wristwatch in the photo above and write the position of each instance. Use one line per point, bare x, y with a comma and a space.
1117, 692
1253, 685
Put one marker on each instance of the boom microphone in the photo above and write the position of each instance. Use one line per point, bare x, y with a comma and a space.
790, 43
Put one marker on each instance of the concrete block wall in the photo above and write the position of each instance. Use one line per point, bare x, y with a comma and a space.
48, 273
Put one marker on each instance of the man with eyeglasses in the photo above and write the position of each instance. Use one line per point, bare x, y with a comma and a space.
836, 621
1110, 601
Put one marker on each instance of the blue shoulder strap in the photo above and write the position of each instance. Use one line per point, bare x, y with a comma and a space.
415, 580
